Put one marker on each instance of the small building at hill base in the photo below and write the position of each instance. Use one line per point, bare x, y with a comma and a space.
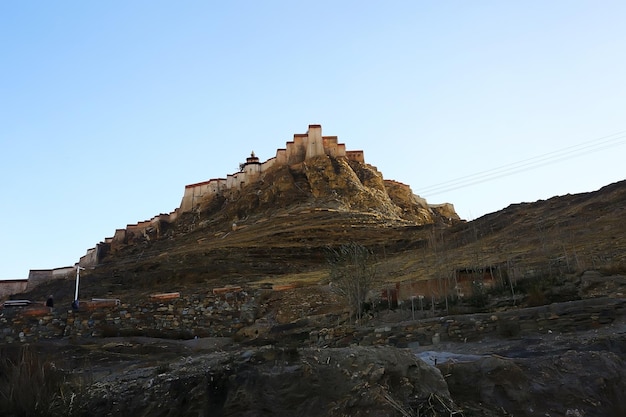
9, 287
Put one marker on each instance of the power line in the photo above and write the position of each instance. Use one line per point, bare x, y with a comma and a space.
602, 143
533, 160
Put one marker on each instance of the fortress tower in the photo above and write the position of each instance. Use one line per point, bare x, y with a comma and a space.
315, 143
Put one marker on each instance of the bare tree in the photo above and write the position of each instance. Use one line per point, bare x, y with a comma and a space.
352, 273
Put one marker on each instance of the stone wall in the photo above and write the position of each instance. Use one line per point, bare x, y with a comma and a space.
227, 313
37, 276
194, 192
185, 317
556, 318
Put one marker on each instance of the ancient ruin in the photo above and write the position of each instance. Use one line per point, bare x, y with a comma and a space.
303, 147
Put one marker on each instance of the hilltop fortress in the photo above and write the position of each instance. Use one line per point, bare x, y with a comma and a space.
302, 148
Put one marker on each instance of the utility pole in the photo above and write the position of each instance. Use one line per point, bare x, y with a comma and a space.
78, 268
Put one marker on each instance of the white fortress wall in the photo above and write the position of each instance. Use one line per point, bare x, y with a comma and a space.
161, 218
139, 226
89, 259
296, 150
192, 194
187, 200
119, 235
64, 271
37, 276
331, 148
241, 178
230, 181
173, 215
269, 163
357, 156
218, 186
281, 157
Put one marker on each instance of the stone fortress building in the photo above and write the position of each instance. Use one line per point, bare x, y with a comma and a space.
303, 146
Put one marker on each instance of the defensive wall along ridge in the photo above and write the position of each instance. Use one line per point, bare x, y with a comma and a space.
303, 146
35, 277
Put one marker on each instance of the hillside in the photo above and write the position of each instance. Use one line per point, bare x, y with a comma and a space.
287, 242
273, 229
253, 323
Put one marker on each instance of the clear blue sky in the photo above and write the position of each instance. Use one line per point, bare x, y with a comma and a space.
107, 109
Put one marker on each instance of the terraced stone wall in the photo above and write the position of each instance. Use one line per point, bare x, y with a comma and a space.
184, 317
224, 314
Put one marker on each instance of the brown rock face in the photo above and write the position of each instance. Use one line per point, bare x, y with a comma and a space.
333, 183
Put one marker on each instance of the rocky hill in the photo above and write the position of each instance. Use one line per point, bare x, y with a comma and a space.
279, 225
230, 310
326, 182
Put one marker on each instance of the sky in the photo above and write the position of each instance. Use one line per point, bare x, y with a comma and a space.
108, 109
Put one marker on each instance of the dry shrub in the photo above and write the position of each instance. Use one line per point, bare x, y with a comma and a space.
536, 296
613, 268
29, 385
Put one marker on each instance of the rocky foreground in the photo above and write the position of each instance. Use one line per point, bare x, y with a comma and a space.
550, 340
572, 367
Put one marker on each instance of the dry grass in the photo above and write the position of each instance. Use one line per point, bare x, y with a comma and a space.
302, 279
287, 246
31, 386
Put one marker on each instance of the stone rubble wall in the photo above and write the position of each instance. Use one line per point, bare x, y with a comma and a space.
224, 315
554, 318
186, 317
